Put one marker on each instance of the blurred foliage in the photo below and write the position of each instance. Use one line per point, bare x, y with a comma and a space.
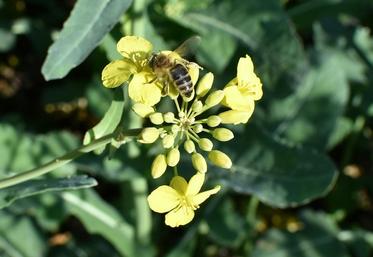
311, 135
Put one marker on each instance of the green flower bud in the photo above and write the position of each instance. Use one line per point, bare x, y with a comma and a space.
199, 163
169, 117
159, 166
173, 157
214, 98
142, 110
205, 144
222, 134
156, 118
198, 128
205, 84
149, 135
189, 146
220, 159
168, 141
213, 121
197, 106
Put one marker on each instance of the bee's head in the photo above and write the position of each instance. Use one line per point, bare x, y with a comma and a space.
158, 61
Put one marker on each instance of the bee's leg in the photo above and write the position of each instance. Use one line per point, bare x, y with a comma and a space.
166, 88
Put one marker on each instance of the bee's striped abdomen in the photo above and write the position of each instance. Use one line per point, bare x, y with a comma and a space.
182, 80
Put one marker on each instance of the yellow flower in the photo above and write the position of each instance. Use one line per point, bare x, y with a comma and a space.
180, 199
134, 69
244, 90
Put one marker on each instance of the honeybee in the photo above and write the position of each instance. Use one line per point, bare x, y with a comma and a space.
173, 69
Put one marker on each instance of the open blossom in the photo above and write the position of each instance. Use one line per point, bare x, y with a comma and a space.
133, 68
242, 92
180, 199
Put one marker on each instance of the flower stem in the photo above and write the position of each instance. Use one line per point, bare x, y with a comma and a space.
66, 158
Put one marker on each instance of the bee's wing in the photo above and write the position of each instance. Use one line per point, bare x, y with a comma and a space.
188, 46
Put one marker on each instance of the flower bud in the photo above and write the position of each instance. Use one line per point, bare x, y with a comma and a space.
156, 118
149, 135
159, 166
198, 128
214, 98
142, 110
234, 117
204, 84
222, 134
169, 117
205, 144
189, 146
199, 163
173, 157
197, 106
220, 159
175, 129
213, 121
168, 141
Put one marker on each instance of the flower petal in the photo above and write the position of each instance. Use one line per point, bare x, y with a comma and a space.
179, 184
163, 199
141, 91
179, 217
195, 184
193, 69
117, 72
134, 48
248, 81
234, 99
201, 197
235, 117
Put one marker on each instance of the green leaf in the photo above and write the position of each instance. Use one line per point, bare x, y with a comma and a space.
261, 27
278, 173
101, 218
109, 122
87, 25
35, 187
22, 151
317, 238
226, 226
19, 237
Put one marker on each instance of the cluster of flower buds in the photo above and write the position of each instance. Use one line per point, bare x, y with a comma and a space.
189, 125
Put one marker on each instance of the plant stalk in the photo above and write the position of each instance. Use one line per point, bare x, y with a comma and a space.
66, 158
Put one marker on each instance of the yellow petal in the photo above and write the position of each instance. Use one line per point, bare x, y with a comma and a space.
194, 72
134, 48
201, 197
247, 79
235, 117
195, 184
179, 184
234, 99
179, 217
141, 91
142, 110
116, 73
163, 199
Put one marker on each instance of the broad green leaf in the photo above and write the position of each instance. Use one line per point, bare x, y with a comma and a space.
226, 226
87, 25
109, 122
22, 151
19, 237
262, 28
278, 173
101, 218
35, 187
305, 13
317, 238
